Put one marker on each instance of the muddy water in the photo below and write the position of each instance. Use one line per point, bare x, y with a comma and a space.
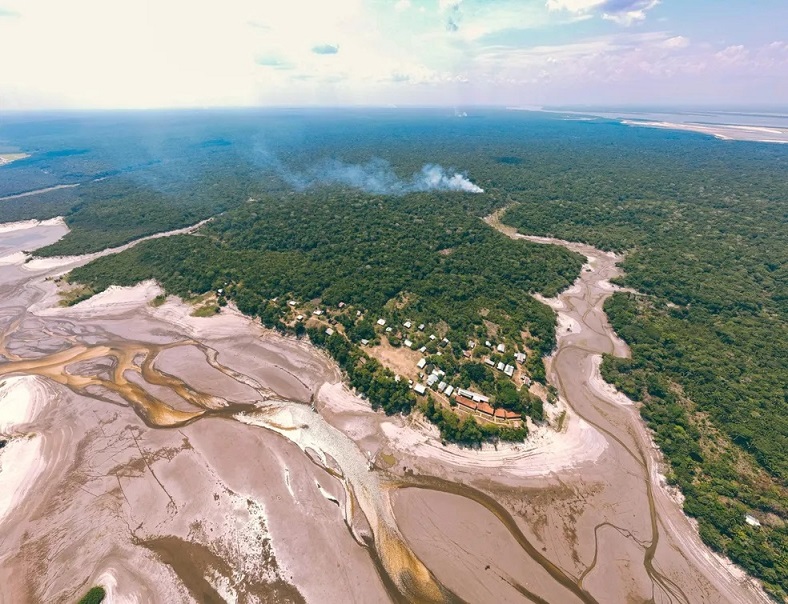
176, 479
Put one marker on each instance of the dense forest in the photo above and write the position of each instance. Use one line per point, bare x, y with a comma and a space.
703, 224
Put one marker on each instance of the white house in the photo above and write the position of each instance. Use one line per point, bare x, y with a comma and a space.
419, 389
408, 343
501, 348
329, 331
407, 324
422, 362
752, 520
381, 322
500, 367
449, 390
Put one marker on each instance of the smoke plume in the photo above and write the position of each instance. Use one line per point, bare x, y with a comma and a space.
378, 177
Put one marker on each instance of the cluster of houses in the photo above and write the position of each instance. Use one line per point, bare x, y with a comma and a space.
467, 400
478, 404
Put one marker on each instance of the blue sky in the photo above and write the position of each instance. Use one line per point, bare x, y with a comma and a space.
171, 53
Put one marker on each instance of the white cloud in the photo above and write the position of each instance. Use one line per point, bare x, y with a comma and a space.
733, 54
574, 6
402, 5
676, 42
628, 12
623, 12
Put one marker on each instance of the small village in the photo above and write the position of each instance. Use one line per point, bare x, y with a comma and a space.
415, 354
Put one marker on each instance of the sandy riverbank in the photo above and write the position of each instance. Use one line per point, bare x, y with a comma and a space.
756, 134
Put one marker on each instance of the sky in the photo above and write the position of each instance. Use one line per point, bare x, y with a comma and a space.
199, 53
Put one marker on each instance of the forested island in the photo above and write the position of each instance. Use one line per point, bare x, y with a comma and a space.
702, 224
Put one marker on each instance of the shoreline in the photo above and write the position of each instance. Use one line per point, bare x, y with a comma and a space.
727, 132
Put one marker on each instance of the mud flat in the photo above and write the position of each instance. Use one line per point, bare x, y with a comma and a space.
185, 459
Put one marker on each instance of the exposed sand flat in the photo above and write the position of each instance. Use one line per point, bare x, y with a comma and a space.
21, 460
113, 300
21, 400
722, 131
21, 225
545, 452
260, 496
7, 158
602, 388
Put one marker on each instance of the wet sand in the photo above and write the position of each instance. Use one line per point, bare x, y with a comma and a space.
207, 459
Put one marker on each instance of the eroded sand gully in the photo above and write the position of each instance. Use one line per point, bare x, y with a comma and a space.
172, 458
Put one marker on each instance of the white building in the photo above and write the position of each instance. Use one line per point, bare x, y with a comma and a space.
509, 370
449, 390
408, 343
501, 348
421, 363
500, 366
419, 389
381, 322
407, 324
752, 520
520, 357
441, 386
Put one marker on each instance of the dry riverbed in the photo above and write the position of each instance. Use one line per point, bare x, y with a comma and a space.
173, 458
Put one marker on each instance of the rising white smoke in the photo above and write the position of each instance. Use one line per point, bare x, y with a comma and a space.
377, 176
435, 178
